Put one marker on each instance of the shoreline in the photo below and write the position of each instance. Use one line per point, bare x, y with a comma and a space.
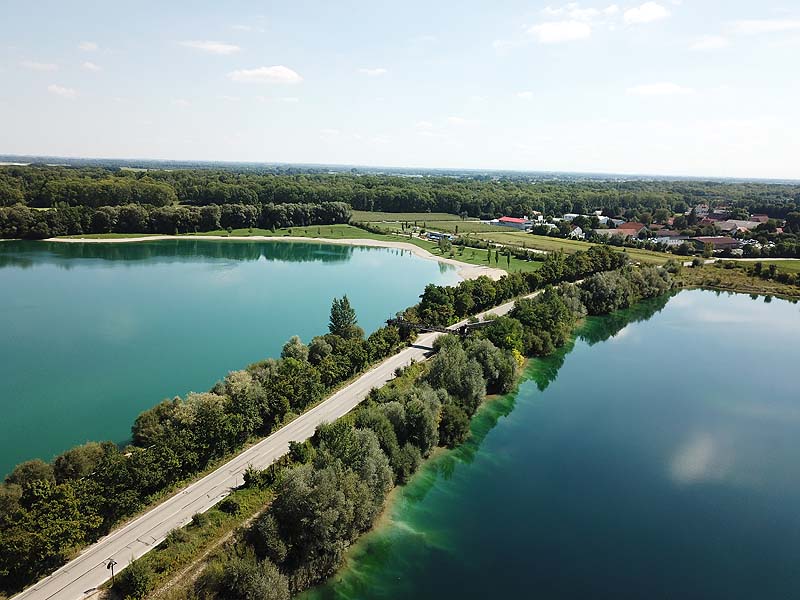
464, 270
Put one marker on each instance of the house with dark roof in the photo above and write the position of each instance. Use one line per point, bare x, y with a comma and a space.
719, 242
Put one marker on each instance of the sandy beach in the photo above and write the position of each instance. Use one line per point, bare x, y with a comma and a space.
465, 270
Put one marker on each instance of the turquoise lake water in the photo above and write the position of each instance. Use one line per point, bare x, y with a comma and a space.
658, 458
92, 334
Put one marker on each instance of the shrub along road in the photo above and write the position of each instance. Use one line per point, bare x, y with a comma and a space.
85, 573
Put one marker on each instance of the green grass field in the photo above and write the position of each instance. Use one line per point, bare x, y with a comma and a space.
540, 242
790, 266
322, 231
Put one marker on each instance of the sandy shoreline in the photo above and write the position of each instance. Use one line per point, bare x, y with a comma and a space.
465, 270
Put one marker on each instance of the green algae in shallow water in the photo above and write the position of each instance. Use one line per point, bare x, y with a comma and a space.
658, 460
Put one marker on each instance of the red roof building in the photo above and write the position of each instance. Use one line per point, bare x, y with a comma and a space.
514, 220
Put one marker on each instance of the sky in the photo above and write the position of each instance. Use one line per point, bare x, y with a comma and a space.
667, 87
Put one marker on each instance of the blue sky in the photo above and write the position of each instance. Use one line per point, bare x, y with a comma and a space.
684, 87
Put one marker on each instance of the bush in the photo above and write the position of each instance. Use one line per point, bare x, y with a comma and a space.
135, 581
230, 506
199, 519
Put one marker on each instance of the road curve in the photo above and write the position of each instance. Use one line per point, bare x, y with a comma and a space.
83, 574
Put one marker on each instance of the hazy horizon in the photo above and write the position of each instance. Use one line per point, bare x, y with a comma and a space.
661, 88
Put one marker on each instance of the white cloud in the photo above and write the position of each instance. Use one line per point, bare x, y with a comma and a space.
90, 66
710, 42
612, 9
274, 74
229, 98
329, 132
555, 32
88, 46
760, 26
211, 47
62, 91
423, 125
38, 66
663, 88
645, 13
524, 95
180, 103
377, 72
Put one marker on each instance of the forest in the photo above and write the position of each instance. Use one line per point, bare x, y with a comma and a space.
87, 188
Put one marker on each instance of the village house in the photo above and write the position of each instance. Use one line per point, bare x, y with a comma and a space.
632, 228
576, 233
719, 242
734, 225
515, 222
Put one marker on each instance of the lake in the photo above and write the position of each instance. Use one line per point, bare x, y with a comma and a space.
95, 333
657, 457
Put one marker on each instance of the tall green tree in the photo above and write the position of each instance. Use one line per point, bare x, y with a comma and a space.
343, 321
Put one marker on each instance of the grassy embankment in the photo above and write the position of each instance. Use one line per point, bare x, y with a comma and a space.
735, 278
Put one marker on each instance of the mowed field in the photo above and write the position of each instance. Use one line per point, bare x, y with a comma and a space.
541, 242
790, 266
392, 223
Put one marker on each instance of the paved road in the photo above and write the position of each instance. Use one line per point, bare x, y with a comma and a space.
83, 574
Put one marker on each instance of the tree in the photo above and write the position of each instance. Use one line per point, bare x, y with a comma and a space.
445, 245
247, 578
295, 348
453, 425
31, 471
343, 321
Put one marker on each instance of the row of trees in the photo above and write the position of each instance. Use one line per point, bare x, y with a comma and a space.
22, 222
471, 194
444, 305
345, 471
47, 510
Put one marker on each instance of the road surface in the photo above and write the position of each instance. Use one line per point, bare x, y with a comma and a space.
82, 575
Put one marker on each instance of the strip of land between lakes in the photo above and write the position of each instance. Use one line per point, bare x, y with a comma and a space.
88, 571
465, 270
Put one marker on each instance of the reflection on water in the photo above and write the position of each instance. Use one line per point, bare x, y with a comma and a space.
27, 254
661, 463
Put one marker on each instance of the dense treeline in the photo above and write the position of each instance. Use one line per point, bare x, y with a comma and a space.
444, 305
22, 222
41, 186
47, 510
346, 470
